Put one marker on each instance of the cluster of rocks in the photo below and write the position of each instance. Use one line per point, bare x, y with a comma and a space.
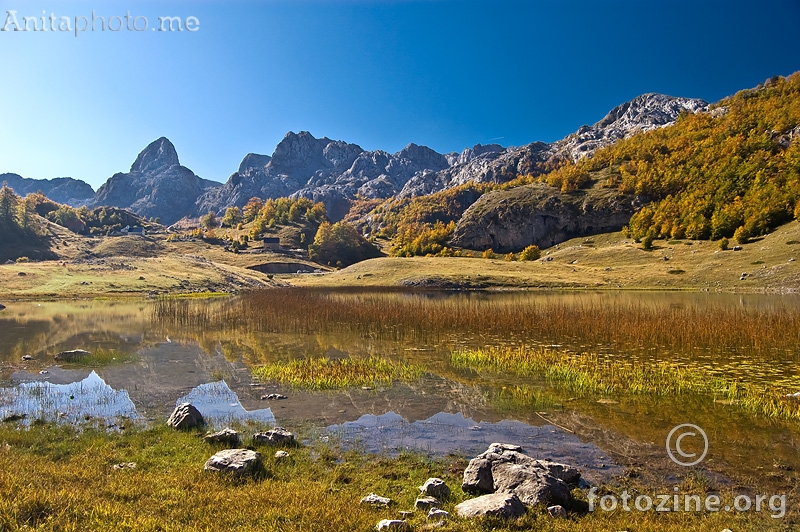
506, 481
236, 461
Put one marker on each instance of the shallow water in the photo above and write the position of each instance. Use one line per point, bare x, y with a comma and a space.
450, 410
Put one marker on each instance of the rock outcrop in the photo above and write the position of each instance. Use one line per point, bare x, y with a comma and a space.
510, 220
157, 186
73, 192
504, 505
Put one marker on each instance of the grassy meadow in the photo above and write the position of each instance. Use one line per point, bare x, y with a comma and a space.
59, 479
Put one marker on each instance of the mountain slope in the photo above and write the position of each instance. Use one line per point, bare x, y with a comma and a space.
731, 172
72, 192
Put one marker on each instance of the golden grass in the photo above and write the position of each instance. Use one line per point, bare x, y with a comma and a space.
331, 374
55, 479
588, 373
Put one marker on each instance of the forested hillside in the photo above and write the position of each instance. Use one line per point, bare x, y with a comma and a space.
733, 171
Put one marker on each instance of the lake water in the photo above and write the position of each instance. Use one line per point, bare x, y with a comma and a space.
162, 363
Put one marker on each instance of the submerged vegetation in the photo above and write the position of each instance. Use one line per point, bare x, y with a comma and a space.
589, 373
329, 374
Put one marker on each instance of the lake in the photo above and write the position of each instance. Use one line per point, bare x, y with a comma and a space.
162, 352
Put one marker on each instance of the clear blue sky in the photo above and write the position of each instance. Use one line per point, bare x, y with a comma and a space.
379, 73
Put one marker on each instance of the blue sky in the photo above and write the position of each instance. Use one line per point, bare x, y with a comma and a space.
379, 73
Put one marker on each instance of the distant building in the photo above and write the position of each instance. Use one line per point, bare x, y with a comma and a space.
272, 242
136, 230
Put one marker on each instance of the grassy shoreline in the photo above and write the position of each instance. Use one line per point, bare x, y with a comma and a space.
56, 478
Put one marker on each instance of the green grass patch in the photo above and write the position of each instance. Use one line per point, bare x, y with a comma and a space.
589, 374
101, 357
331, 374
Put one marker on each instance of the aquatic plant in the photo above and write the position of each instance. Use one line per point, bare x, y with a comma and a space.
327, 374
589, 373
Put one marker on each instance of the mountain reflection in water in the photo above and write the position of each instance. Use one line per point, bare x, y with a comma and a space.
74, 403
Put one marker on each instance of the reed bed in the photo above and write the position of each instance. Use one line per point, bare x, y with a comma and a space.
590, 374
331, 374
622, 326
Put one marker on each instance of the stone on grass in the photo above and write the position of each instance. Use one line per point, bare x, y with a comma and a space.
273, 397
505, 468
556, 511
227, 436
425, 503
236, 462
373, 499
276, 436
435, 487
27, 357
280, 455
437, 515
185, 417
124, 465
504, 505
392, 524
72, 356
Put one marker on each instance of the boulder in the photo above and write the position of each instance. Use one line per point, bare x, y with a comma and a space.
373, 499
505, 468
435, 487
280, 455
437, 515
236, 462
2, 306
556, 511
227, 436
505, 505
276, 436
185, 417
426, 503
72, 356
392, 524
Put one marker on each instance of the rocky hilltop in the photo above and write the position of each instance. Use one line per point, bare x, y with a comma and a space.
157, 186
537, 214
73, 192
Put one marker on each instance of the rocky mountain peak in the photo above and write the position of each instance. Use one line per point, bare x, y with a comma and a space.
158, 155
650, 110
253, 161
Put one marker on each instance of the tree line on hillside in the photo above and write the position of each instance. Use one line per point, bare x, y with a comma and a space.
730, 172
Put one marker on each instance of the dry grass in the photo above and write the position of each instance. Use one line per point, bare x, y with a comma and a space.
622, 325
607, 261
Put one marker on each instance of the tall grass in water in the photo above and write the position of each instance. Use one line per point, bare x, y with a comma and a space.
392, 315
589, 373
328, 374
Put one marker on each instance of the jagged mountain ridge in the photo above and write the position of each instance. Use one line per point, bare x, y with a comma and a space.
336, 172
